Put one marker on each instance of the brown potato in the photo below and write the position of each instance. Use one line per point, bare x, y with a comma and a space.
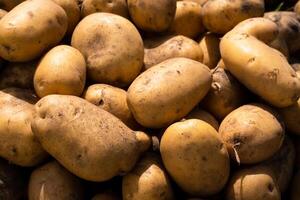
209, 45
168, 91
291, 117
198, 113
252, 133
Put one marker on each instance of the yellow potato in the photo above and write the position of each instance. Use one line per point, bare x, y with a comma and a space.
198, 113
291, 117
297, 8
210, 47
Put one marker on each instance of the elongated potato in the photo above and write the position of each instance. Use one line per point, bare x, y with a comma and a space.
51, 181
168, 91
252, 133
209, 45
18, 144
200, 114
160, 49
195, 157
291, 117
112, 46
262, 69
93, 144
31, 28
147, 181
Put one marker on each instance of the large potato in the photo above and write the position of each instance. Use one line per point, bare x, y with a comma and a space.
52, 182
112, 46
18, 144
147, 181
295, 187
262, 69
291, 117
168, 91
154, 16
252, 133
163, 48
209, 45
198, 113
88, 141
195, 157
61, 71
31, 28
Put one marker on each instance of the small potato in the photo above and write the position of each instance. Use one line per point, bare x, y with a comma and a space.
291, 117
252, 133
209, 45
9, 4
147, 181
152, 16
61, 71
195, 156
112, 46
225, 95
18, 144
253, 183
295, 187
111, 99
18, 75
188, 20
200, 114
51, 181
160, 49
118, 7
88, 141
31, 28
168, 91
220, 16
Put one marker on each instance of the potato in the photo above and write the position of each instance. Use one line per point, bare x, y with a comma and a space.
297, 8
168, 91
52, 181
152, 16
9, 4
253, 183
31, 28
2, 13
93, 144
252, 133
111, 99
225, 95
112, 46
147, 181
295, 187
105, 196
220, 16
209, 45
118, 7
291, 117
188, 19
71, 7
195, 157
262, 69
18, 144
18, 75
161, 49
201, 2
198, 113
61, 71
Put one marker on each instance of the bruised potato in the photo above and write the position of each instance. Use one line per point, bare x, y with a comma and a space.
112, 46
30, 29
168, 91
200, 114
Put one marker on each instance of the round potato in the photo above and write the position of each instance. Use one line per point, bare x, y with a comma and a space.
147, 181
188, 19
200, 114
291, 117
168, 91
118, 7
160, 49
18, 144
252, 133
51, 181
61, 71
93, 144
112, 46
295, 187
31, 28
152, 16
195, 156
209, 45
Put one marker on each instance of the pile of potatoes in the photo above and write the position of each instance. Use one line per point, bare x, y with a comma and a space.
149, 100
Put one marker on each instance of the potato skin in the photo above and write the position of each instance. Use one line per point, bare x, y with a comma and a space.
198, 113
19, 145
93, 144
61, 71
195, 157
152, 16
161, 49
297, 8
209, 45
112, 46
51, 181
2, 13
31, 28
253, 131
168, 91
147, 181
291, 117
